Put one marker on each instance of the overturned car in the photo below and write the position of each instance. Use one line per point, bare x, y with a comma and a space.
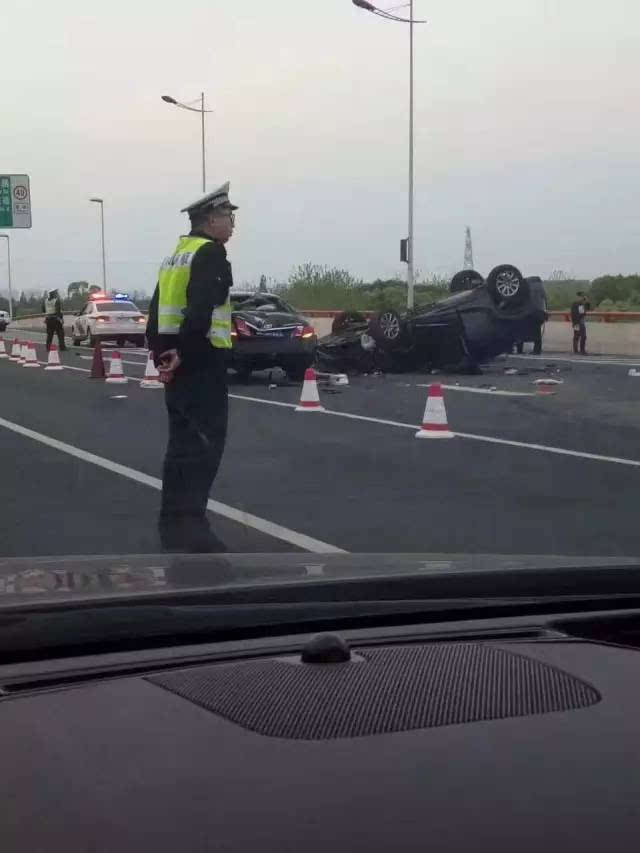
478, 321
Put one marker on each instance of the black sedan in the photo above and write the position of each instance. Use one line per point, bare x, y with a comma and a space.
267, 332
478, 321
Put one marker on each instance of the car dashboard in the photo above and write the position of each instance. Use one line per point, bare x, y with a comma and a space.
513, 733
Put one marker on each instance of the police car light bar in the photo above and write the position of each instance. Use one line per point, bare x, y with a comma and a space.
121, 296
98, 295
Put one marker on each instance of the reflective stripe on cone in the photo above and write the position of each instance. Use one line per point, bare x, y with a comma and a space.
53, 362
434, 423
31, 359
116, 374
151, 375
310, 399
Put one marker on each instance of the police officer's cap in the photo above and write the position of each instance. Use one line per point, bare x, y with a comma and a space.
212, 201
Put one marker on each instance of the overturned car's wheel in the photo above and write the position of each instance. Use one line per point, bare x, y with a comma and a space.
507, 286
465, 280
344, 319
387, 329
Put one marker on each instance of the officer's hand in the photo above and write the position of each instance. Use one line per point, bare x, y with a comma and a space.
168, 363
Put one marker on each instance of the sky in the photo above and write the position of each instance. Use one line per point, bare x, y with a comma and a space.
527, 130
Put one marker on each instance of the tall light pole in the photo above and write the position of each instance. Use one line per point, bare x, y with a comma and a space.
6, 236
388, 14
169, 100
104, 263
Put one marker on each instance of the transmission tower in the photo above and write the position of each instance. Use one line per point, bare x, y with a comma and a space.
468, 250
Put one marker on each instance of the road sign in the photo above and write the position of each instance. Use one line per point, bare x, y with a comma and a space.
15, 201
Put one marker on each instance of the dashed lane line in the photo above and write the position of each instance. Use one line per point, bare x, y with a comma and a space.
276, 531
492, 393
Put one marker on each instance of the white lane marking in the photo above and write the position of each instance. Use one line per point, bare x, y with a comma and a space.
473, 390
561, 451
549, 359
300, 540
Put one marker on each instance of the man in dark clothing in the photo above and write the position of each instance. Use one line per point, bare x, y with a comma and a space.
579, 310
52, 309
189, 333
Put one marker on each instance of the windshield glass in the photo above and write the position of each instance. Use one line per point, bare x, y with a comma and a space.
364, 285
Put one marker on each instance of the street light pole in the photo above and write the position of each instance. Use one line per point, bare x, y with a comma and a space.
9, 274
410, 277
201, 109
388, 14
204, 168
104, 262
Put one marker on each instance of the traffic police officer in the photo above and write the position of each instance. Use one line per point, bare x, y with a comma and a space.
189, 333
52, 309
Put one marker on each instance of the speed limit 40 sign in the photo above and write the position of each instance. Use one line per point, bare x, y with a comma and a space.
15, 201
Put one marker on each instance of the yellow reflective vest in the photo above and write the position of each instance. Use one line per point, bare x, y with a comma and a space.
50, 307
173, 280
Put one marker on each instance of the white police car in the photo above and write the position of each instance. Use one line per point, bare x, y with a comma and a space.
4, 320
109, 318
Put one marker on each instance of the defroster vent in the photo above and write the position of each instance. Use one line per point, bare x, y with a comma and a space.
383, 690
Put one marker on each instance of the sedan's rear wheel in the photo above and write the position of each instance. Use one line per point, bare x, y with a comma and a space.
243, 372
507, 286
74, 338
296, 370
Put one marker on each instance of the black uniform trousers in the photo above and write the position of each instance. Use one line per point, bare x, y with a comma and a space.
580, 337
197, 404
54, 327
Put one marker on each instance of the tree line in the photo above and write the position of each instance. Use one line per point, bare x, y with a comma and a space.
314, 286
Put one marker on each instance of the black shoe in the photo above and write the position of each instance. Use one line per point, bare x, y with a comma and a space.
190, 538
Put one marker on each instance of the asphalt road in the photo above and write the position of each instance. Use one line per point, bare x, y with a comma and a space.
526, 474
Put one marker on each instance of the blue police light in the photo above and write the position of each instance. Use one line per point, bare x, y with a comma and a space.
121, 296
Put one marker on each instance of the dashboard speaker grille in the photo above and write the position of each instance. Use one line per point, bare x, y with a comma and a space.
390, 689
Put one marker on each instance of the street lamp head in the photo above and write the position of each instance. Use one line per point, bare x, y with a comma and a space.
99, 200
168, 99
362, 4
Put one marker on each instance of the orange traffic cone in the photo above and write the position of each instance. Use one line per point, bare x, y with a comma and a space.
151, 375
31, 359
53, 362
116, 374
3, 349
310, 399
15, 351
434, 423
97, 365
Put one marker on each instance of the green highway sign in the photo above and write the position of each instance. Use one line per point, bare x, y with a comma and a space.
15, 201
